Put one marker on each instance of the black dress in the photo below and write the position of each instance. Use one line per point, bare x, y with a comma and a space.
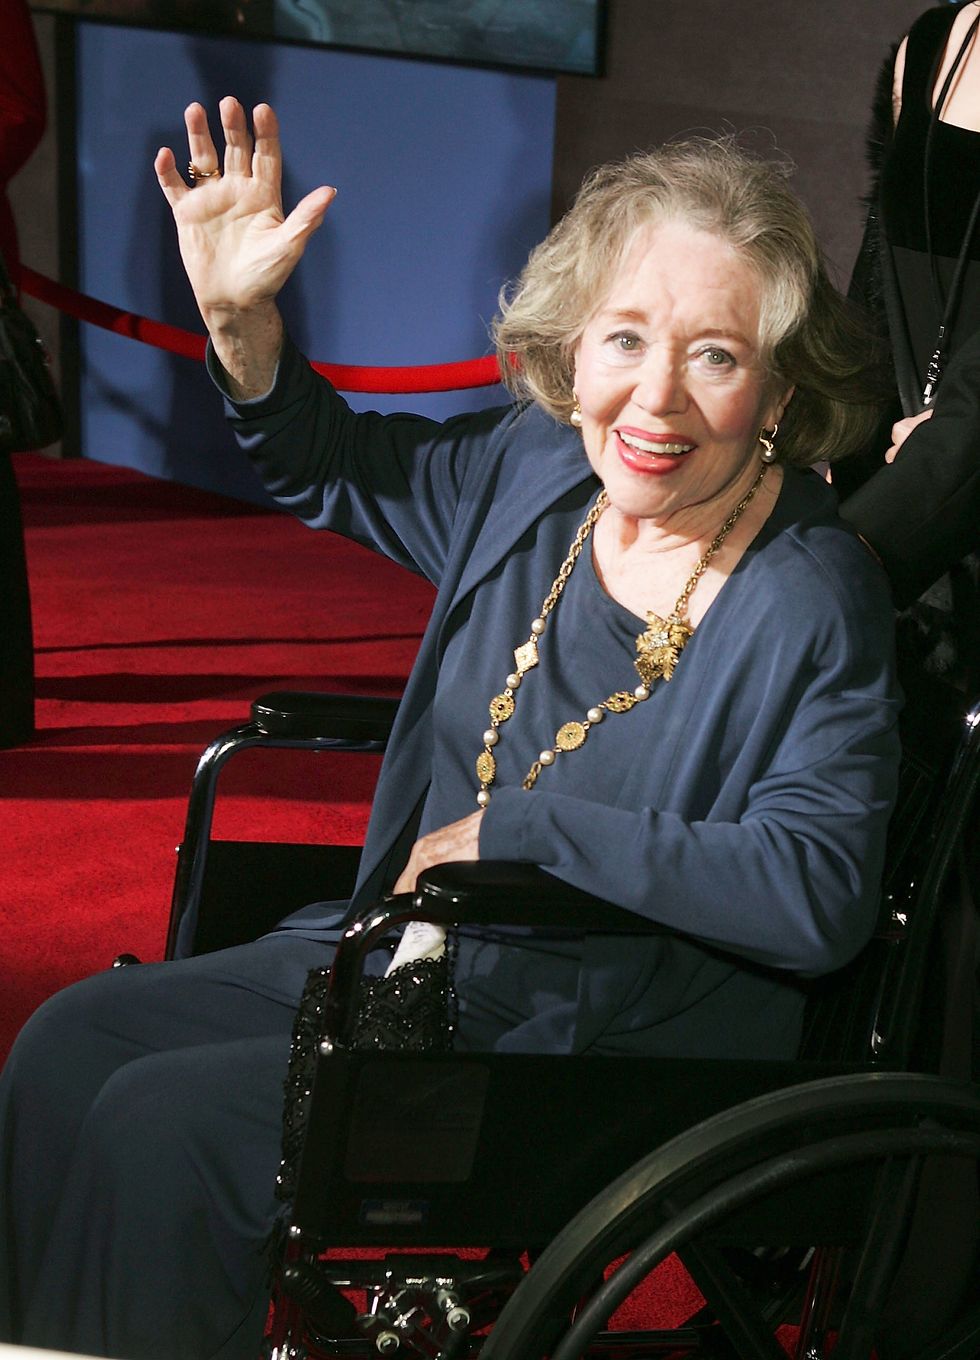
905, 285
922, 515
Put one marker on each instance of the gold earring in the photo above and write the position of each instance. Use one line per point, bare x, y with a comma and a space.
769, 454
576, 416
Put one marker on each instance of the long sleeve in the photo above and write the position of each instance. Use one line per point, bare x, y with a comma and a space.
921, 514
393, 483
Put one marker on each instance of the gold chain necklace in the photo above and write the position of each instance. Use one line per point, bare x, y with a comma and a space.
658, 650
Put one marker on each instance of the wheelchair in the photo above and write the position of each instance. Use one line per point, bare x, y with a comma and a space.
448, 1206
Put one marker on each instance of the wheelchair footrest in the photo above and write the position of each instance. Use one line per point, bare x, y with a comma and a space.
414, 1304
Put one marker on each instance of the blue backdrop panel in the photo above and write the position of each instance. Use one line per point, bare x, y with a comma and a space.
444, 178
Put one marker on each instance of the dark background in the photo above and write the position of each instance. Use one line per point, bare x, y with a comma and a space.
796, 77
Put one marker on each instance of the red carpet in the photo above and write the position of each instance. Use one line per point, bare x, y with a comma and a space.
159, 613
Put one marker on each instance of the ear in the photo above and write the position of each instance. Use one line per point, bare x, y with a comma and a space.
777, 407
573, 357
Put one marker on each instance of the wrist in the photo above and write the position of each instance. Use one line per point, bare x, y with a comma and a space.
255, 322
247, 343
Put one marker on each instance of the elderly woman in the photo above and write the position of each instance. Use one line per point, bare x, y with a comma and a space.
657, 665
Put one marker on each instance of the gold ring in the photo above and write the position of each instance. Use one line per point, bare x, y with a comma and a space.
196, 173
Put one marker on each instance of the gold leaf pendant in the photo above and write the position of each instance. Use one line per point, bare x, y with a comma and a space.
659, 648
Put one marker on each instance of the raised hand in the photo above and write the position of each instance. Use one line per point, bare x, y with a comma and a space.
237, 244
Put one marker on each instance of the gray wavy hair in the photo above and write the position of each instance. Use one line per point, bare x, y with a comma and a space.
810, 337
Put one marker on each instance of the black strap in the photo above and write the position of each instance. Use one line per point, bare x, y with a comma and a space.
945, 307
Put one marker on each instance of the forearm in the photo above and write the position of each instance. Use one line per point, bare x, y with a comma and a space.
786, 873
788, 893
247, 344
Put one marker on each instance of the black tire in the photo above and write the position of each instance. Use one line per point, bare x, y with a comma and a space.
687, 1190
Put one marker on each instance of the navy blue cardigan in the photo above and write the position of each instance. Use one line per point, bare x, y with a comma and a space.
753, 813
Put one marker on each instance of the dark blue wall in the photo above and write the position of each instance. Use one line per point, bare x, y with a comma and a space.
444, 175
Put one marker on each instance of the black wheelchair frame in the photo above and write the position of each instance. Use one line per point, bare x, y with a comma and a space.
772, 1181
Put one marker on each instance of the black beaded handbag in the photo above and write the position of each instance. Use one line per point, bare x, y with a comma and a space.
30, 409
411, 1010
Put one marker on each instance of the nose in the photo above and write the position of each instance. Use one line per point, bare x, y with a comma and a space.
660, 386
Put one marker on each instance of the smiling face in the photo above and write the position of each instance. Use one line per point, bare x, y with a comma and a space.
669, 379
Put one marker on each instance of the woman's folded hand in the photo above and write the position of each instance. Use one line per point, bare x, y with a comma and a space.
901, 431
457, 841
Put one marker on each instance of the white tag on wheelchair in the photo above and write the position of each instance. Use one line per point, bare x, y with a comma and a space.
421, 940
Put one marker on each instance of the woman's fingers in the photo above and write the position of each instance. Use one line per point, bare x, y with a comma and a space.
261, 159
901, 431
238, 142
237, 247
267, 159
457, 841
309, 212
199, 142
170, 181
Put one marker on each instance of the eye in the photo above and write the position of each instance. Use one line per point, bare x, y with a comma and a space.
716, 357
627, 342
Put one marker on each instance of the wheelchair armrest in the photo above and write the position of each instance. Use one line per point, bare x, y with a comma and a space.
502, 892
489, 893
300, 716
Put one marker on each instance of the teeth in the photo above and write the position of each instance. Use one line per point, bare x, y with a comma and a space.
654, 446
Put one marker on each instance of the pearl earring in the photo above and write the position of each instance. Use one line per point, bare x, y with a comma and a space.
769, 454
576, 416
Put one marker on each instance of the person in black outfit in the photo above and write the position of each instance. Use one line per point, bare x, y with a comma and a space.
914, 495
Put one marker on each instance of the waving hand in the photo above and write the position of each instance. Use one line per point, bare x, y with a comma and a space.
237, 244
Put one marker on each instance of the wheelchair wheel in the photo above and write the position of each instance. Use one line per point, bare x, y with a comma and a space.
832, 1164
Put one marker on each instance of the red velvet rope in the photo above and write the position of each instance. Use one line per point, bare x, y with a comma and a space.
348, 377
